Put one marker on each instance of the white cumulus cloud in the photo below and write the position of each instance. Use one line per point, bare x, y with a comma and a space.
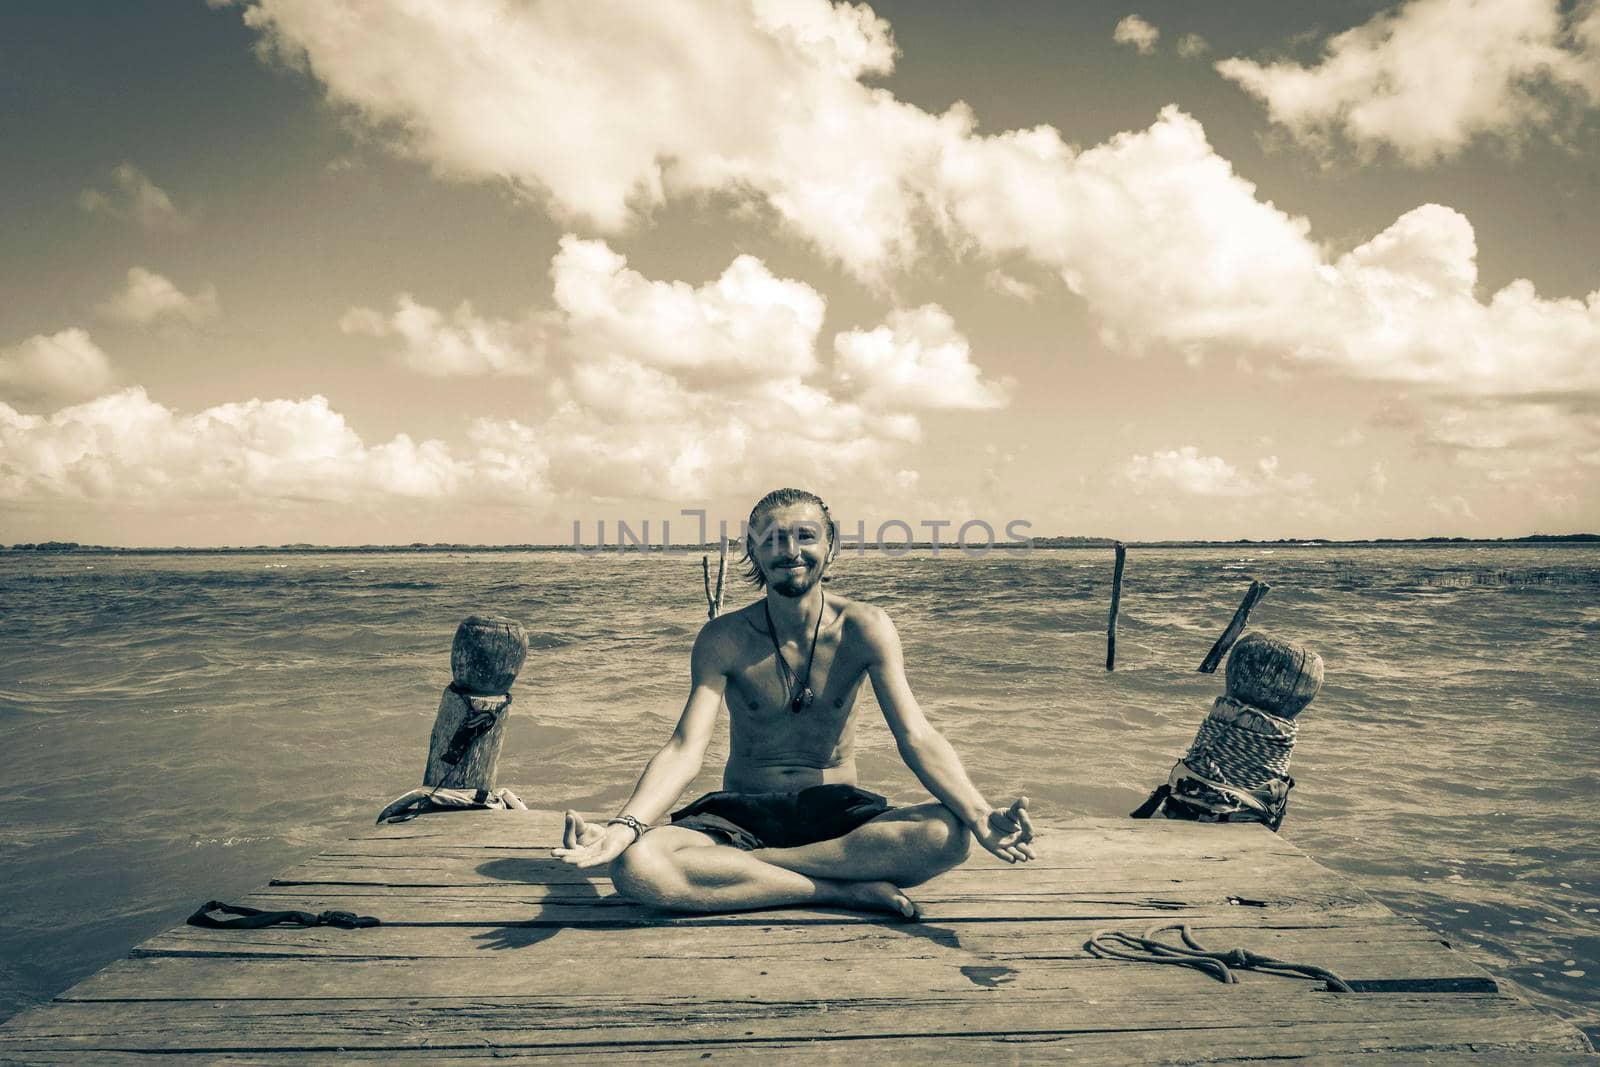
761, 105
63, 365
663, 388
1137, 33
125, 446
1010, 285
1169, 245
462, 343
1186, 471
148, 297
547, 97
917, 359
1429, 76
1542, 441
747, 323
133, 197
1153, 228
620, 429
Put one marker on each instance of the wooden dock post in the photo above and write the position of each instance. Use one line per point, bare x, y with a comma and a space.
464, 748
1256, 591
714, 600
1237, 767
1116, 602
1275, 676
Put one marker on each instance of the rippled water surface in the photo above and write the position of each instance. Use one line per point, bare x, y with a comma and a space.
183, 727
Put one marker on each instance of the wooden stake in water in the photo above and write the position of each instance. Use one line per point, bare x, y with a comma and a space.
464, 748
714, 600
1235, 628
1116, 602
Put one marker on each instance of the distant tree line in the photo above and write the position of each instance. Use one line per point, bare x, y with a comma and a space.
1038, 542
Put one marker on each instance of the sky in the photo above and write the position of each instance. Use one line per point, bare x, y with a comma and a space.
485, 271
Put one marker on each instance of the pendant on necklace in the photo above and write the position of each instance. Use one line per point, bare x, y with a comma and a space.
802, 699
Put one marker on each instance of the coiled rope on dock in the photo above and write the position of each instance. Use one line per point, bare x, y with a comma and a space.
1117, 944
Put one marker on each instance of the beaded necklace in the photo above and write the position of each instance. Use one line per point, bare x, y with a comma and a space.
786, 677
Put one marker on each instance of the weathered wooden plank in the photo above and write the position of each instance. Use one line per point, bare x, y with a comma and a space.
1244, 890
1372, 937
1063, 855
1264, 1020
548, 973
500, 904
959, 1049
542, 829
509, 908
475, 868
1372, 954
535, 865
1413, 969
562, 967
1105, 869
1400, 1047
1260, 889
477, 871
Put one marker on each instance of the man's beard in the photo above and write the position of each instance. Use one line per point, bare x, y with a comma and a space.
794, 584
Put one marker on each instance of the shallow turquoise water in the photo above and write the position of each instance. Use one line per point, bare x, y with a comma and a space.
183, 727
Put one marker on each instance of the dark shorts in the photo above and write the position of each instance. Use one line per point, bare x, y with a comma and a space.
782, 820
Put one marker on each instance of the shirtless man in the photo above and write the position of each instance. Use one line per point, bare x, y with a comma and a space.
789, 668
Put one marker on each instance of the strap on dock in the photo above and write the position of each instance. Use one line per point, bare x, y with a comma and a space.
254, 919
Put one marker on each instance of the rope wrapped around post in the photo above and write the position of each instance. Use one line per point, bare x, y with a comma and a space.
1241, 745
1237, 767
1116, 944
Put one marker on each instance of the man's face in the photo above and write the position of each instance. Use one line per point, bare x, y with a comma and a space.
791, 547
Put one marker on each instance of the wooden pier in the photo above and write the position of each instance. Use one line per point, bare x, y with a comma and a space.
490, 950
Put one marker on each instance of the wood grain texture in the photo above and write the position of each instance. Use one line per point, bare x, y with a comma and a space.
474, 767
1235, 627
1160, 1027
491, 951
1116, 604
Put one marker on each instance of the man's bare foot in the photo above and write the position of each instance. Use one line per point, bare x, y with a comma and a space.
878, 896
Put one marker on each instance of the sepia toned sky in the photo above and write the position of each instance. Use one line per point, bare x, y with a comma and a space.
473, 270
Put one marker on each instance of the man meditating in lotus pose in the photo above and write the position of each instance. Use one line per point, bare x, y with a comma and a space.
790, 827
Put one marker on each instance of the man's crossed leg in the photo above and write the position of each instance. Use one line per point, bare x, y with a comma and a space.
679, 869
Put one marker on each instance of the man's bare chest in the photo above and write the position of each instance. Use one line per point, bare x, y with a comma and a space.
759, 683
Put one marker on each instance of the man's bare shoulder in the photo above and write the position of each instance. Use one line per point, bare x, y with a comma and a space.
721, 639
864, 622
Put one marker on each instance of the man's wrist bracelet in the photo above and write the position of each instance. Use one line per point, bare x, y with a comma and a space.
631, 823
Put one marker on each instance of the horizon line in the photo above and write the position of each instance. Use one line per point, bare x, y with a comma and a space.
1047, 542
